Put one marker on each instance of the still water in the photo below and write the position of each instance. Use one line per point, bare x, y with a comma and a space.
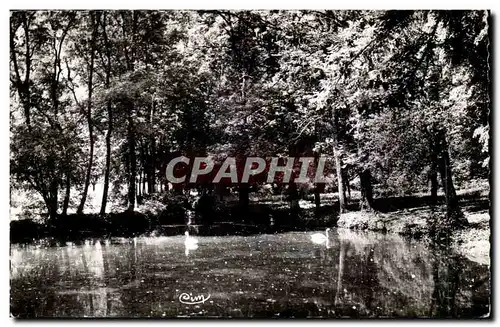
283, 275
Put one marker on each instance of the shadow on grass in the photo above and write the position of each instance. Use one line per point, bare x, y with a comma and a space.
473, 202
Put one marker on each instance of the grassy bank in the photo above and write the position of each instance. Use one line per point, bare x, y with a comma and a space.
472, 242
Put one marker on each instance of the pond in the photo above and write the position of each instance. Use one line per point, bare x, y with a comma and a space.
360, 274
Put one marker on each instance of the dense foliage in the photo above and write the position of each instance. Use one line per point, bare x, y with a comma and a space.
399, 100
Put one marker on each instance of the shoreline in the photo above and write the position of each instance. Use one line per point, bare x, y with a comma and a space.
473, 242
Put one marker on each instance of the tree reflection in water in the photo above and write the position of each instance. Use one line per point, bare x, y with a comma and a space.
453, 284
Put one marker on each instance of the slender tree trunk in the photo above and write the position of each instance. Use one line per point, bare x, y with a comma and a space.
130, 62
54, 95
366, 190
141, 173
243, 190
149, 175
89, 165
107, 169
338, 163
89, 168
144, 164
152, 154
132, 159
26, 83
145, 158
89, 115
67, 187
338, 168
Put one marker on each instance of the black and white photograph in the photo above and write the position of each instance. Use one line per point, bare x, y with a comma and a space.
251, 164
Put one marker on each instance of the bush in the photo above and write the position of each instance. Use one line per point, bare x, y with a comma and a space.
129, 223
209, 209
175, 209
78, 226
25, 231
152, 204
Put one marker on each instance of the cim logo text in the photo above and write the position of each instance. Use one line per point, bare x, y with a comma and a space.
186, 298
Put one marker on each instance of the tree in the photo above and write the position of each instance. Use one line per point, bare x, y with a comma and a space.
45, 156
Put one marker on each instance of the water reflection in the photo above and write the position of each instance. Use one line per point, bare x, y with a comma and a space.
282, 275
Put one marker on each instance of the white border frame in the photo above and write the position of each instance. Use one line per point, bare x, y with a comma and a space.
196, 4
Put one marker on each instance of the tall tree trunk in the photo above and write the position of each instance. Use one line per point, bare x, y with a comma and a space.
143, 158
366, 190
67, 187
130, 62
132, 159
141, 173
338, 163
338, 168
107, 169
27, 92
144, 163
453, 211
152, 154
94, 23
149, 175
